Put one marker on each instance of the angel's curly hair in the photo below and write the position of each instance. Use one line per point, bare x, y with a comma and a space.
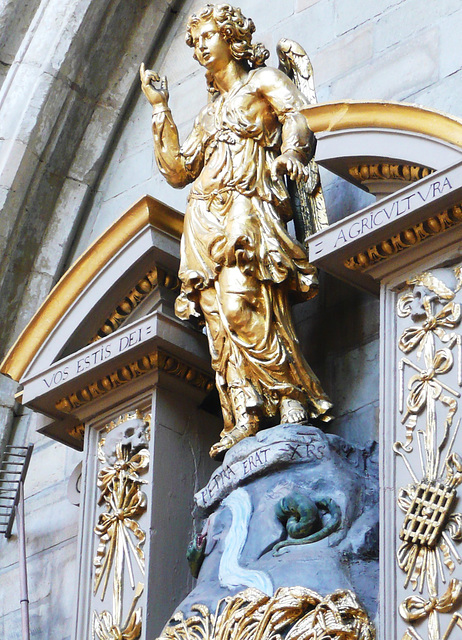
235, 29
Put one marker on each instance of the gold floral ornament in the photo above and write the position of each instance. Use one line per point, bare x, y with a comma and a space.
104, 627
294, 613
125, 456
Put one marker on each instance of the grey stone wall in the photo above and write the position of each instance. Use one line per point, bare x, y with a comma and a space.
75, 152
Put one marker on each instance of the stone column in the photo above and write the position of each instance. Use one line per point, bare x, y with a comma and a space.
422, 449
142, 462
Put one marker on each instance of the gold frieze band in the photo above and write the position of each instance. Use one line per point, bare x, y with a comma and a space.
155, 277
77, 432
388, 171
405, 239
127, 373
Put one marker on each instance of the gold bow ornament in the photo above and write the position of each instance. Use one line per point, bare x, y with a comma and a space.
415, 607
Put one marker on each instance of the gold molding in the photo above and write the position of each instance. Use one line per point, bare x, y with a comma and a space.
77, 432
388, 171
127, 373
145, 211
351, 114
405, 239
155, 277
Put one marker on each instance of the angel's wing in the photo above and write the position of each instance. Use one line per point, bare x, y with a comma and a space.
308, 202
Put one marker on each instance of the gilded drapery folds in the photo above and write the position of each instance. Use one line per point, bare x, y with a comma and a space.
239, 265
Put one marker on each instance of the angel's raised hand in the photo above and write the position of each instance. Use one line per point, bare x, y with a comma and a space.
157, 95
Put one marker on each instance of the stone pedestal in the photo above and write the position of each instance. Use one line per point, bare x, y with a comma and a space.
291, 516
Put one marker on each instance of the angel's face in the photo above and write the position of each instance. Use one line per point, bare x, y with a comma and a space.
210, 48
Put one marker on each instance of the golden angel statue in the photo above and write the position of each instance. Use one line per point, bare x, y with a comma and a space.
238, 262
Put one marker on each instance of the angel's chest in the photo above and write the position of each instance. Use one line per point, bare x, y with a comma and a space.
244, 112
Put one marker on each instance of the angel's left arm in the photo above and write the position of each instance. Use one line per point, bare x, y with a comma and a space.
298, 141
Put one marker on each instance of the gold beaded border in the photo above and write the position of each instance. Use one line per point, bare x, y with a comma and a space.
389, 171
154, 278
129, 372
405, 239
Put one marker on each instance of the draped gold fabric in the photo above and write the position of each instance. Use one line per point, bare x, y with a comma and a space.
238, 261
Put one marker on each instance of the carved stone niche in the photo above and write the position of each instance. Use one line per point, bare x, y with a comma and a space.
110, 370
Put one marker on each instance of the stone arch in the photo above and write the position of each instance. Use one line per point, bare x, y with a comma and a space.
68, 85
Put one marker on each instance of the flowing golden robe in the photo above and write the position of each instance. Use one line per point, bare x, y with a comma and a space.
238, 262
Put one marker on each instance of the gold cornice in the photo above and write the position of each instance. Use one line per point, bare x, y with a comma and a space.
350, 114
405, 239
77, 432
152, 361
145, 211
388, 171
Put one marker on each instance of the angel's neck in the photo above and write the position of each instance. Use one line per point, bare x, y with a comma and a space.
228, 76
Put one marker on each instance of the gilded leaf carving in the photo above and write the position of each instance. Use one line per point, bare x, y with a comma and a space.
295, 613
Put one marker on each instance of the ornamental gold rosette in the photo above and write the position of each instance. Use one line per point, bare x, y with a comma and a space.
293, 613
430, 377
124, 457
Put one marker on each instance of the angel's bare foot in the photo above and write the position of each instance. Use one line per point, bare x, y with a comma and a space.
292, 411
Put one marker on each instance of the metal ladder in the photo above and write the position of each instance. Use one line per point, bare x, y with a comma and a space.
13, 470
